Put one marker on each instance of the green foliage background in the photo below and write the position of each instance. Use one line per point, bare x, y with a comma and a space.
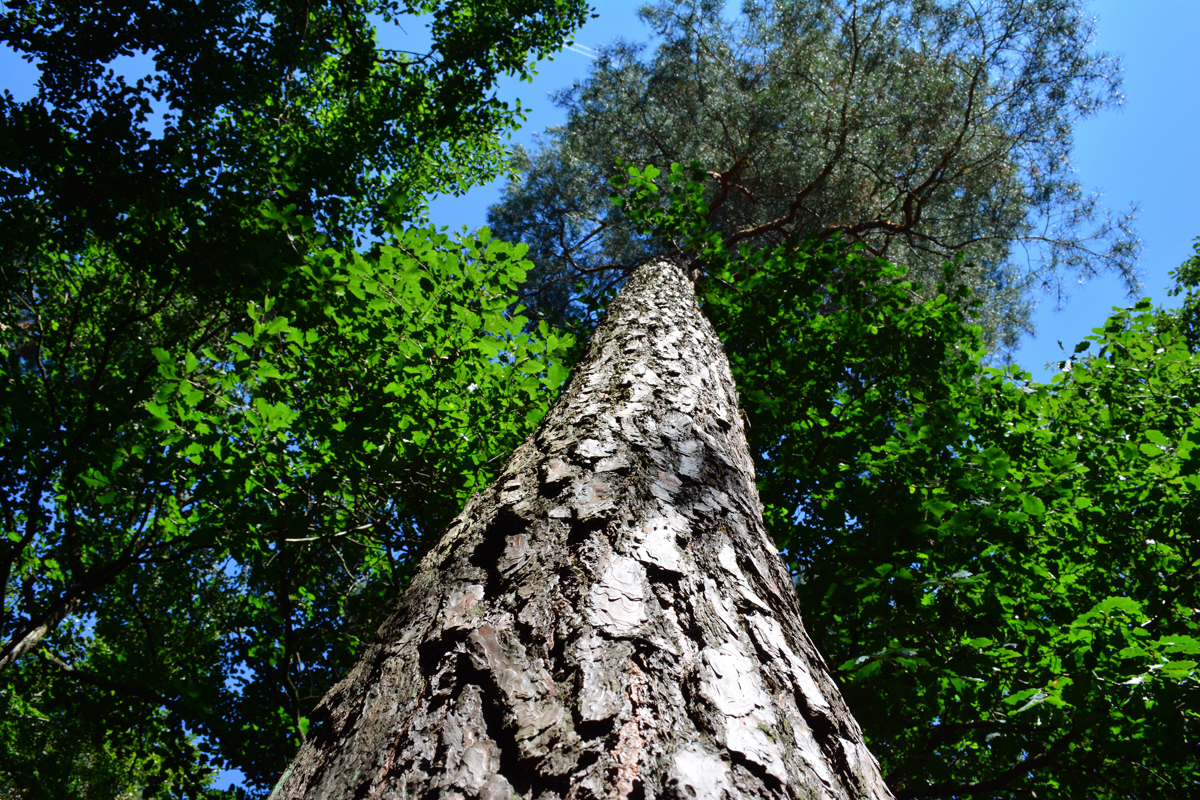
230, 422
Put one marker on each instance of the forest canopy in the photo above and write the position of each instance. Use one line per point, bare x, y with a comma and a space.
245, 386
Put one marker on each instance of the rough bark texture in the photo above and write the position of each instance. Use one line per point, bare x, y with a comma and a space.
609, 619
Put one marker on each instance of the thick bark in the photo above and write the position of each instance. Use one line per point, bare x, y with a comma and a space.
609, 619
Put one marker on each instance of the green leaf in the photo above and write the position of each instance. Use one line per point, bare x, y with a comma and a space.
1033, 505
1187, 645
1178, 669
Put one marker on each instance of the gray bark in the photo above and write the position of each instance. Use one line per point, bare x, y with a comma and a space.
608, 619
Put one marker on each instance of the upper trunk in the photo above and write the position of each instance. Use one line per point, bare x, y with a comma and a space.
609, 618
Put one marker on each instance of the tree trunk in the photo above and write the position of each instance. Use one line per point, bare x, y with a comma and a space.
608, 619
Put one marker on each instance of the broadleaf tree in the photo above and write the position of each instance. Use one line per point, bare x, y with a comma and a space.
1002, 572
228, 422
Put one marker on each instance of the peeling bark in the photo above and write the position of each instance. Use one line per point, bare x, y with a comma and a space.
608, 619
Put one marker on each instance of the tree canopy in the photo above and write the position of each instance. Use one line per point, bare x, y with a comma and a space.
922, 130
229, 421
250, 103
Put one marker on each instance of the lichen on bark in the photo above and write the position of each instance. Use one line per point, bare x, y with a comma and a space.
609, 618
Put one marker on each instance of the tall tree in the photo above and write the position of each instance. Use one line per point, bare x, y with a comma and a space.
609, 617
923, 130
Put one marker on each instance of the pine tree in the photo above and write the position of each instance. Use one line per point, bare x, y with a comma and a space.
924, 131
